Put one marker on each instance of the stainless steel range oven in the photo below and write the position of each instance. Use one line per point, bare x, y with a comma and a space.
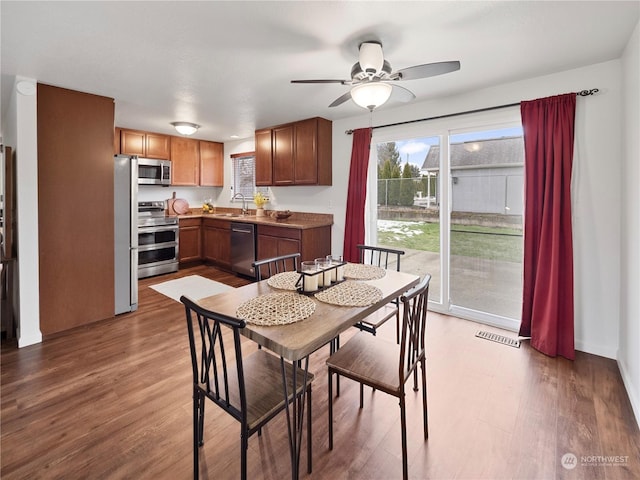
157, 240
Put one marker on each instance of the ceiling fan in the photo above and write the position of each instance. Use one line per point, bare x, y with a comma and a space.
372, 80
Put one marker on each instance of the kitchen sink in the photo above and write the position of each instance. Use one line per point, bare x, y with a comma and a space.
232, 215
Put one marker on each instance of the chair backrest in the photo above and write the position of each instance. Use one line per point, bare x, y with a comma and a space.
216, 361
412, 343
379, 256
267, 267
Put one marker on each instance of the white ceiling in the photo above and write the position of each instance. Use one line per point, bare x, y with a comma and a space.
227, 65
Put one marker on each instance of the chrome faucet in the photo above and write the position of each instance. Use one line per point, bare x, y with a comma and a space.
245, 210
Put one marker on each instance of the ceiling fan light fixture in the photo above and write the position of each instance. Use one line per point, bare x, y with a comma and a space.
185, 128
371, 57
371, 95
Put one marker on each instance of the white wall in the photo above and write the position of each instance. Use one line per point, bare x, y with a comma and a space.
629, 340
20, 132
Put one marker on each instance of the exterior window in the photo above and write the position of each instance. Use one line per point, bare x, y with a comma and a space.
244, 176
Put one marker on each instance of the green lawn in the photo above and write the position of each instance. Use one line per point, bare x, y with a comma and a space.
471, 241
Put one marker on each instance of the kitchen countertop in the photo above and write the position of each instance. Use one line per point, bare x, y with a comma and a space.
298, 220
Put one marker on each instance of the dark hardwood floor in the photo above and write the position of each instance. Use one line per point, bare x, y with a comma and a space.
113, 400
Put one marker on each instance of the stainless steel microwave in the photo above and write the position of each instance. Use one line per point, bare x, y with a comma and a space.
154, 172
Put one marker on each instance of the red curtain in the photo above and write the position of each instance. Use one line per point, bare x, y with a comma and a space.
547, 310
357, 194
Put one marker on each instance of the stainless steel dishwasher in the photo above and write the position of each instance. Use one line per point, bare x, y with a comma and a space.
243, 248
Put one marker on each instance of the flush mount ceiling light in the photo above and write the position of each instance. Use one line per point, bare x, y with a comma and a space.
371, 95
185, 128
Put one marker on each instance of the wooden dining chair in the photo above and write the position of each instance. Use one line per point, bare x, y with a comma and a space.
387, 366
270, 266
250, 389
384, 258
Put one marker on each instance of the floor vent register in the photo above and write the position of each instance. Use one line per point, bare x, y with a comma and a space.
494, 337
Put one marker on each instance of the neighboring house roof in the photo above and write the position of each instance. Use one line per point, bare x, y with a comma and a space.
479, 153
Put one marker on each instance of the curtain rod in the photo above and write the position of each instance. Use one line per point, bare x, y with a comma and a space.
582, 93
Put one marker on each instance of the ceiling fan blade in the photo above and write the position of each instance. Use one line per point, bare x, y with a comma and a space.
340, 100
426, 70
343, 82
401, 94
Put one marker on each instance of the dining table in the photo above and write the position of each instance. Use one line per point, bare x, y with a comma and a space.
295, 341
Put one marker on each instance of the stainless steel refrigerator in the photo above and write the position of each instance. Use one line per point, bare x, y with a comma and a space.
125, 197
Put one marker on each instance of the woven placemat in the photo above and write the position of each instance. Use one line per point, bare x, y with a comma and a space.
360, 271
280, 308
284, 280
350, 294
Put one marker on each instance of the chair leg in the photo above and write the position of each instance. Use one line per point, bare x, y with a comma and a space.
424, 399
244, 446
196, 433
334, 345
309, 444
201, 420
403, 426
361, 395
330, 410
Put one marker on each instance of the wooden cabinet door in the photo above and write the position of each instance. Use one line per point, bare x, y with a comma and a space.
288, 245
211, 164
157, 146
306, 152
217, 245
132, 142
190, 240
283, 155
185, 161
267, 246
264, 158
274, 241
116, 141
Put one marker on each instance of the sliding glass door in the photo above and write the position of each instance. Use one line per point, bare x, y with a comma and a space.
452, 200
408, 206
486, 171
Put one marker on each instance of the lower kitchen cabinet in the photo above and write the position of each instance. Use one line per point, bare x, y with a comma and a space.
190, 240
311, 243
216, 241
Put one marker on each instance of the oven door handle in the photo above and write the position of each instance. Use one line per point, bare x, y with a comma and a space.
158, 228
157, 246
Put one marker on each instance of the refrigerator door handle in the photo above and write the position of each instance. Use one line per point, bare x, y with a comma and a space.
134, 208
134, 276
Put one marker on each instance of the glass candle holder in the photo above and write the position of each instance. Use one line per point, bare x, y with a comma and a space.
339, 271
310, 280
324, 279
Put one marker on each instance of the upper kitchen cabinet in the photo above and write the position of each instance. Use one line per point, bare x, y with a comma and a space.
211, 164
264, 158
116, 141
185, 161
298, 153
145, 144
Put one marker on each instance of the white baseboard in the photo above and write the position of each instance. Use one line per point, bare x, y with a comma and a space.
596, 349
25, 341
631, 392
